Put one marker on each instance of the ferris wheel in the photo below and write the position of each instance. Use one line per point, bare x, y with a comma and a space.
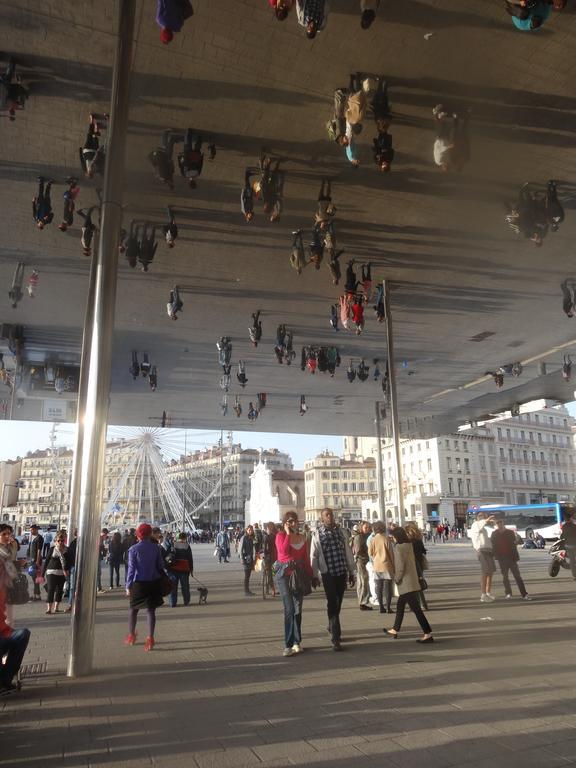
152, 484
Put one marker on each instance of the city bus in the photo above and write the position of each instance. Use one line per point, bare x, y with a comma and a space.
528, 519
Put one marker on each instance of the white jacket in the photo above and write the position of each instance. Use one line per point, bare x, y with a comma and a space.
479, 536
317, 555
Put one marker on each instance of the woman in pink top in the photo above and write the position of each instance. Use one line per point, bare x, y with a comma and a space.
293, 552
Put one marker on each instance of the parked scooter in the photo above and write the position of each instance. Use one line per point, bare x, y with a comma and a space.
559, 558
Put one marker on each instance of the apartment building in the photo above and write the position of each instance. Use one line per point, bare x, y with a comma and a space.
340, 483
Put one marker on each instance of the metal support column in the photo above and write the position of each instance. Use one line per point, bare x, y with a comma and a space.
394, 404
81, 403
380, 477
92, 458
221, 478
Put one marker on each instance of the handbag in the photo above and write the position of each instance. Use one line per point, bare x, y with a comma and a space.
423, 584
18, 592
258, 564
300, 581
170, 557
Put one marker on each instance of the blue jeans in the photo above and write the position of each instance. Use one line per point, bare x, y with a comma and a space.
184, 580
292, 612
13, 648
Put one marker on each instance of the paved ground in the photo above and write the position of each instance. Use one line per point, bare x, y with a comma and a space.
236, 73
216, 692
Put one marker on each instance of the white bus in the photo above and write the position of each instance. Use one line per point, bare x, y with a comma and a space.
529, 519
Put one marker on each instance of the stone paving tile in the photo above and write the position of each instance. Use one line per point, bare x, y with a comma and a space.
246, 706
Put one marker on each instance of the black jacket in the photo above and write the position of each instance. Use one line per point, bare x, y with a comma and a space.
35, 547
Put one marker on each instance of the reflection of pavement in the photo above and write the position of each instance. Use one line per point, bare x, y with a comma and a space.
217, 692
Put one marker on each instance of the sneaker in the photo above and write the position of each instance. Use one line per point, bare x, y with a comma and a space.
336, 645
366, 608
508, 597
130, 639
490, 597
288, 652
438, 109
6, 690
526, 597
297, 648
485, 599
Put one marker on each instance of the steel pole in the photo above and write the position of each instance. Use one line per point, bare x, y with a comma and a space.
380, 473
185, 480
394, 403
2, 500
81, 404
221, 479
99, 357
13, 393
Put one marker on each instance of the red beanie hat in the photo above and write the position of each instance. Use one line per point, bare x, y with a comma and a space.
166, 35
144, 531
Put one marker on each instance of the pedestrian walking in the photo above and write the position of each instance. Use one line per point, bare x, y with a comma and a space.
269, 557
132, 245
333, 564
15, 293
181, 567
415, 537
162, 158
241, 375
407, 587
174, 303
13, 95
41, 205
293, 577
367, 281
452, 144
334, 265
313, 15
255, 330
247, 553
115, 558
191, 159
88, 230
358, 314
92, 154
368, 10
505, 548
223, 545
33, 281
554, 209
281, 8
34, 557
247, 197
379, 306
224, 347
148, 246
529, 18
144, 583
9, 565
134, 366
56, 570
334, 317
483, 547
170, 229
326, 209
170, 17
69, 197
361, 558
382, 559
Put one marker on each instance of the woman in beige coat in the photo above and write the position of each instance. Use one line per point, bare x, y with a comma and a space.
407, 587
382, 559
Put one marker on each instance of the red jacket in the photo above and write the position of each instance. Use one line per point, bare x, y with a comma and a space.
5, 630
357, 313
287, 552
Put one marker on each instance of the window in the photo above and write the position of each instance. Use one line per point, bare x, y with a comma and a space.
459, 486
544, 476
554, 439
458, 467
536, 418
429, 465
482, 464
541, 455
456, 445
510, 454
447, 443
466, 465
539, 437
499, 433
450, 485
535, 475
525, 455
508, 434
533, 456
501, 453
553, 475
522, 434
449, 463
531, 436
325, 475
428, 442
465, 446
334, 487
503, 474
334, 475
565, 478
324, 487
345, 487
550, 420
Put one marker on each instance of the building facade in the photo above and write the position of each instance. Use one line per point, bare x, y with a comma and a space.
198, 473
526, 459
340, 483
272, 493
10, 472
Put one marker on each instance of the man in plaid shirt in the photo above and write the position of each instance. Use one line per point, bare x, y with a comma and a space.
333, 562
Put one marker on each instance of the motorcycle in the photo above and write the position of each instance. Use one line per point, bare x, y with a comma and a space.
559, 558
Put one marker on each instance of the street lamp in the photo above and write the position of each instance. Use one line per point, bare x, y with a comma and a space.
17, 484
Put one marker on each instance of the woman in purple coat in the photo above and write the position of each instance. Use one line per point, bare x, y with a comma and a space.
144, 583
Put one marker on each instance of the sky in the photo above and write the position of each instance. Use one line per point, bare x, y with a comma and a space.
19, 437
